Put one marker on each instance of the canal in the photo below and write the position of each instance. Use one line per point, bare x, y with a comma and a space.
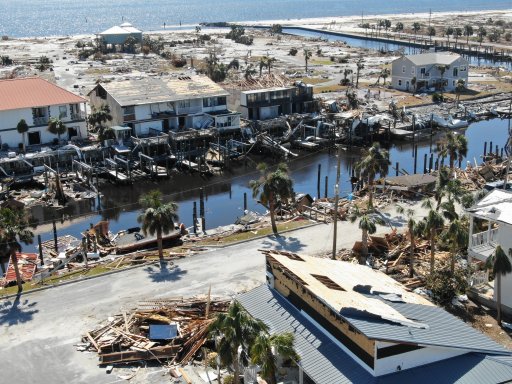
225, 193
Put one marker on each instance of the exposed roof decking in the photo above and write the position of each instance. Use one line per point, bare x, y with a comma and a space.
33, 92
326, 363
155, 90
348, 276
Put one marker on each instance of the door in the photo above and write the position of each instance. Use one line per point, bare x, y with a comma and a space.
34, 138
165, 125
72, 131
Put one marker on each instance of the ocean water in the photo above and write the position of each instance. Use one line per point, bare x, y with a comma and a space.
21, 18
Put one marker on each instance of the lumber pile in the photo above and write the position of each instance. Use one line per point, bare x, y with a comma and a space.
163, 330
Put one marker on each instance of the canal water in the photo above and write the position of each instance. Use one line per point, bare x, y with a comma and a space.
387, 47
225, 193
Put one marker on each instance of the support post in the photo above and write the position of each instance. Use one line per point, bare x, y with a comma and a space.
318, 180
40, 249
55, 243
326, 186
245, 201
336, 198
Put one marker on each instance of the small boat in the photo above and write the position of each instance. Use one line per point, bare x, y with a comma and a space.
133, 239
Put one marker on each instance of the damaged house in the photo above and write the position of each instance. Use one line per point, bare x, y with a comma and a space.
353, 324
153, 105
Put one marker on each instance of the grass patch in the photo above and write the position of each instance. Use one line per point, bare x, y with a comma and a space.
329, 88
313, 80
321, 62
243, 236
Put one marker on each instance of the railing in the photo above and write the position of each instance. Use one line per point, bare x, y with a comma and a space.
479, 277
484, 237
40, 120
77, 116
188, 110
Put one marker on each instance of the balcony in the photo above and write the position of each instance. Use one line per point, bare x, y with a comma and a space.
40, 121
77, 116
483, 244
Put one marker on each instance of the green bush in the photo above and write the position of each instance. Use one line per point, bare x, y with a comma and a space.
437, 98
293, 51
445, 287
229, 379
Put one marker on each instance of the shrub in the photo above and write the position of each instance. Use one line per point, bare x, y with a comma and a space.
293, 51
179, 62
437, 98
445, 287
229, 379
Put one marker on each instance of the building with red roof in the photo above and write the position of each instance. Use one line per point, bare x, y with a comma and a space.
36, 101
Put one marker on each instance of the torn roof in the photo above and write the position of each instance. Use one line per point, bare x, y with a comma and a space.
326, 363
161, 90
319, 274
495, 206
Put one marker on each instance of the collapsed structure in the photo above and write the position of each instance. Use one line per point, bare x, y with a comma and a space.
353, 324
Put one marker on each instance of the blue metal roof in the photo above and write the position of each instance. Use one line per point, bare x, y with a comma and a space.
326, 363
444, 329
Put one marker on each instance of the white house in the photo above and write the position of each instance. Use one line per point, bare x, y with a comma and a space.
491, 225
152, 105
118, 34
36, 100
423, 71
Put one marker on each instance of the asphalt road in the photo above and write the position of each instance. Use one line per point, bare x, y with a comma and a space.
38, 331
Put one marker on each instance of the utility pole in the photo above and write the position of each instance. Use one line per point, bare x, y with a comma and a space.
336, 199
508, 147
429, 20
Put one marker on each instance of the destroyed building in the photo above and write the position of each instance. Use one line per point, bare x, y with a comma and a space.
37, 101
353, 324
152, 105
269, 97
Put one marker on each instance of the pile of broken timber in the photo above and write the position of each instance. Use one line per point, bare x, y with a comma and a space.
126, 337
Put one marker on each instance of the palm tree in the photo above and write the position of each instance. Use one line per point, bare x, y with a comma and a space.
375, 162
272, 187
307, 56
157, 218
56, 127
442, 69
456, 236
270, 61
368, 225
234, 330
384, 73
416, 27
249, 72
22, 128
263, 63
468, 31
99, 116
399, 27
501, 266
481, 33
262, 353
433, 223
14, 225
461, 85
457, 33
448, 31
455, 147
360, 66
414, 228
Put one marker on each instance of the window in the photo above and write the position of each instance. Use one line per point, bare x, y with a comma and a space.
39, 112
422, 71
413, 70
403, 69
63, 111
184, 104
453, 83
129, 110
400, 82
455, 72
463, 68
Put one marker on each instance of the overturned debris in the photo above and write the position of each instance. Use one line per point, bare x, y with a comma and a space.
164, 330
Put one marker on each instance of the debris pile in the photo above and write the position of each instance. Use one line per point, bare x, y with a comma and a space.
164, 330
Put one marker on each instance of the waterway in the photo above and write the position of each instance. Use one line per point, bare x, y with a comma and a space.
387, 47
225, 193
